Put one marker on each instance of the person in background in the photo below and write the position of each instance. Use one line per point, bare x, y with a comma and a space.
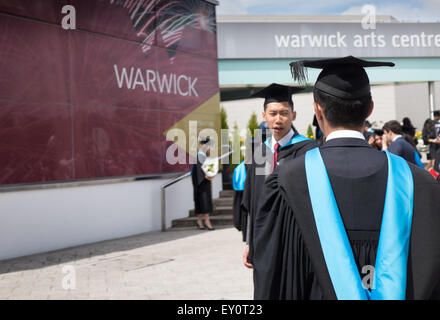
392, 132
408, 128
429, 139
437, 133
375, 140
319, 138
367, 130
437, 122
202, 187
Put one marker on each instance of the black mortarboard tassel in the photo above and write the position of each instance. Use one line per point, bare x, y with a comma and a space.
277, 93
341, 77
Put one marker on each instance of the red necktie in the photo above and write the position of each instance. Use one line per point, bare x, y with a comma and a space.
275, 155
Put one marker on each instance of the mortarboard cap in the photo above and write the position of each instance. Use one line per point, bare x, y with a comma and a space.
341, 77
204, 140
277, 93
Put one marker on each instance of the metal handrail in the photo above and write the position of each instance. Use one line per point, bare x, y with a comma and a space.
162, 190
175, 180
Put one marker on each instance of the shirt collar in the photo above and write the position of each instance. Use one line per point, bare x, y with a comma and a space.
283, 141
345, 134
397, 137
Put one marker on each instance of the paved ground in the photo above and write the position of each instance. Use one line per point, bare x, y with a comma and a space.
184, 264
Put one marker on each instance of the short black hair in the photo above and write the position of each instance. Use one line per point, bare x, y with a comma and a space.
204, 140
394, 126
350, 113
437, 113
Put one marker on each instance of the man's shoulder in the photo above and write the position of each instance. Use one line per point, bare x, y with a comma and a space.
291, 166
396, 145
303, 146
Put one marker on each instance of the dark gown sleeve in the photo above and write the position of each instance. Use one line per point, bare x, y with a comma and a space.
246, 200
238, 195
200, 175
282, 267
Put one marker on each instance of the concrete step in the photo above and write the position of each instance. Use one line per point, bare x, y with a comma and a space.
217, 211
216, 220
223, 202
227, 193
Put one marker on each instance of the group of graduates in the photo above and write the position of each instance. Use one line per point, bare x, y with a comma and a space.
340, 219
399, 138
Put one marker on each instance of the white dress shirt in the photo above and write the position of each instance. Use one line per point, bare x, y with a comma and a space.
283, 141
345, 134
397, 137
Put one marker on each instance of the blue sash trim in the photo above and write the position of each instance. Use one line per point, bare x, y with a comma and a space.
392, 252
239, 177
392, 255
418, 160
296, 139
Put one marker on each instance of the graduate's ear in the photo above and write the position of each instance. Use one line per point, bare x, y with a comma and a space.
318, 111
293, 115
264, 115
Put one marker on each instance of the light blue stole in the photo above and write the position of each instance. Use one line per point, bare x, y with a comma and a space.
418, 160
239, 177
296, 139
392, 253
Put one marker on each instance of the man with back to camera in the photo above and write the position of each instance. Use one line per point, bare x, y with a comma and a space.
398, 145
284, 142
346, 221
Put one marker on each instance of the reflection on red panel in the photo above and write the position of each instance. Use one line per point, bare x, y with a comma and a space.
113, 142
132, 70
111, 72
46, 10
34, 61
186, 26
114, 18
196, 80
35, 143
167, 120
175, 167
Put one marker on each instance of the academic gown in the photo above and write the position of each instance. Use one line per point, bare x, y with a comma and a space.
201, 187
253, 189
240, 216
289, 262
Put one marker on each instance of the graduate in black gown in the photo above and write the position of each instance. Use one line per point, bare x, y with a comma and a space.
283, 142
346, 221
238, 181
202, 188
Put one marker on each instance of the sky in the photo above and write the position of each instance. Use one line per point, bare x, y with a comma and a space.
403, 10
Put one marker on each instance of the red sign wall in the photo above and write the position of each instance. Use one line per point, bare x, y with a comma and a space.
95, 102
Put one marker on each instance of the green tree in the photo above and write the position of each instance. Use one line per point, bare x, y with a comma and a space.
253, 124
224, 117
235, 158
309, 132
